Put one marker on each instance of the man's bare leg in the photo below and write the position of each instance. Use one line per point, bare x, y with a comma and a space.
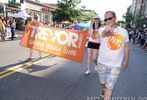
108, 94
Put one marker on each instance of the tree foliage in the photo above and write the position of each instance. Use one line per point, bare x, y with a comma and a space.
13, 3
120, 23
128, 17
87, 15
66, 10
139, 22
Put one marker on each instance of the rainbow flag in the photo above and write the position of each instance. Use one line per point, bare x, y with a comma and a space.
82, 26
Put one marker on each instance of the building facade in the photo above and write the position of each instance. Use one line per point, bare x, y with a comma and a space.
36, 7
133, 7
32, 7
139, 11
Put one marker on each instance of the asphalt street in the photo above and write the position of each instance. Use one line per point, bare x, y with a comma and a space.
56, 78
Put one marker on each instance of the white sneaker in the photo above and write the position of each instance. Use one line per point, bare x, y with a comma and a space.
96, 69
87, 72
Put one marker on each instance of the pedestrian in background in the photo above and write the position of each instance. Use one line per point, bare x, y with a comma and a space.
12, 27
2, 29
75, 25
145, 43
113, 53
93, 44
8, 32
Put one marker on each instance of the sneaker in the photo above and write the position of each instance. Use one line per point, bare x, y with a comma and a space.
96, 69
29, 59
87, 72
102, 95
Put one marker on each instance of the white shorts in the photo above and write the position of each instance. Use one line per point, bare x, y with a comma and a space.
108, 75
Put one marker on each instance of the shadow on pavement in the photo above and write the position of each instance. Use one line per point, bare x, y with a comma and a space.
2, 68
34, 68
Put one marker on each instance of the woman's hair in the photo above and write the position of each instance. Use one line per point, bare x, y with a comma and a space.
29, 19
38, 17
93, 25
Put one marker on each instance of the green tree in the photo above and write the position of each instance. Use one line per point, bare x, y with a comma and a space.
128, 17
66, 10
88, 15
139, 22
120, 23
13, 3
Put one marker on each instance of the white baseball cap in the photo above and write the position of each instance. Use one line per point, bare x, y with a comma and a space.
96, 17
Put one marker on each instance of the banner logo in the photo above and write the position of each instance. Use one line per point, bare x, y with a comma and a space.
115, 42
69, 44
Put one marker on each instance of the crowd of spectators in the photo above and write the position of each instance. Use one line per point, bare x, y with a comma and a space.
139, 37
11, 24
136, 36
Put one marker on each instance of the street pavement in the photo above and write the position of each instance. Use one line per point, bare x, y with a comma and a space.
55, 78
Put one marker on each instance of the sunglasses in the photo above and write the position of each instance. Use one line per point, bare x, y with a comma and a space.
35, 17
110, 18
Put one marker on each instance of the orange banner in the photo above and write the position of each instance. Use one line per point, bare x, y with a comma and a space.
69, 44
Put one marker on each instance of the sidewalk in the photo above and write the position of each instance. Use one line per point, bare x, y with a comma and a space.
18, 35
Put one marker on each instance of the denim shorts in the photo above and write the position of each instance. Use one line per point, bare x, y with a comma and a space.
108, 75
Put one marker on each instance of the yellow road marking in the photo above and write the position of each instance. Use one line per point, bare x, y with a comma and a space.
16, 68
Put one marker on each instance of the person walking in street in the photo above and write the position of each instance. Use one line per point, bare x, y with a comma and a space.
113, 53
145, 43
93, 45
36, 20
